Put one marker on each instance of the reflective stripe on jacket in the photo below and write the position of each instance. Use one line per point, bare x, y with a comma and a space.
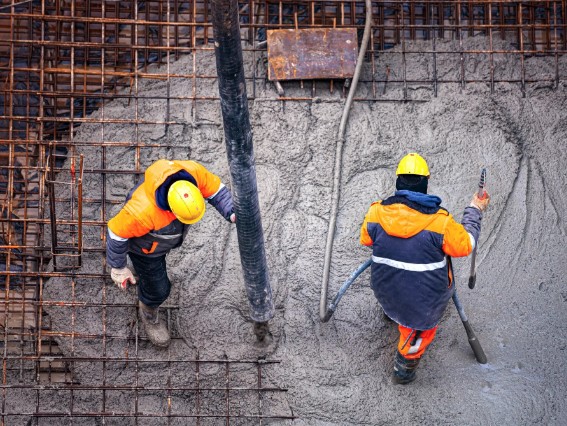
410, 270
145, 228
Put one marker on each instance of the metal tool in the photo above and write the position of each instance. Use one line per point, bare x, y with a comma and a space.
481, 195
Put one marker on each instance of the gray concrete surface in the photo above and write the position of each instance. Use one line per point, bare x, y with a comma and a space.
340, 373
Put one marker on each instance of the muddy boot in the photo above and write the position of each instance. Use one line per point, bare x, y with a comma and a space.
404, 369
261, 330
156, 329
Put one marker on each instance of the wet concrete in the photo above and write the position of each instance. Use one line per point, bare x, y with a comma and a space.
340, 372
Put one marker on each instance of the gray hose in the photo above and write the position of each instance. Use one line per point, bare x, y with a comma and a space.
339, 160
335, 302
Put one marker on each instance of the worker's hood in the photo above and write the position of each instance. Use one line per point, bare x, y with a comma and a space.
407, 213
157, 173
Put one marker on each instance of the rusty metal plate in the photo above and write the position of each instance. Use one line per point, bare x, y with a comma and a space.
312, 53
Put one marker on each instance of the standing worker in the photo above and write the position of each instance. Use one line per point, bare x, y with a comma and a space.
153, 221
412, 239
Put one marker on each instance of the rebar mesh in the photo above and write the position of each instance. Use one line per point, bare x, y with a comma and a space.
62, 60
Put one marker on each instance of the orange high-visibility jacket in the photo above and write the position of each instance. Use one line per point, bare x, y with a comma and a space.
145, 225
411, 272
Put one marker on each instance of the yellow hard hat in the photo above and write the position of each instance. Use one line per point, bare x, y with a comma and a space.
186, 202
413, 164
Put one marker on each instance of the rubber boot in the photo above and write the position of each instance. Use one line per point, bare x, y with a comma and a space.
156, 330
404, 369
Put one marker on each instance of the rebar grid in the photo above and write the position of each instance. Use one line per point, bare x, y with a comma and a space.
62, 60
219, 389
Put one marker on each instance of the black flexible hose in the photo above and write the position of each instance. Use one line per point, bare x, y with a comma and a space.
240, 153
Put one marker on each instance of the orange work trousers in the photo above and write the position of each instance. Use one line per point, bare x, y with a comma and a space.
412, 347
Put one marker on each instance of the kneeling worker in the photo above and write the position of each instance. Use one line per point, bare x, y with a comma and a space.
153, 221
412, 239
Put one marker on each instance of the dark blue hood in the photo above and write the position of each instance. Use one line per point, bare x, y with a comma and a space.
424, 203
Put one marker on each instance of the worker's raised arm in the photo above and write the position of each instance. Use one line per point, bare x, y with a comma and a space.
460, 239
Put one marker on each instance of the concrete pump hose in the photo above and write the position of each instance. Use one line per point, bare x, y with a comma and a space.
339, 160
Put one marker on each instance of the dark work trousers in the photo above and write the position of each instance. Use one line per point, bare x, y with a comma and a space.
153, 283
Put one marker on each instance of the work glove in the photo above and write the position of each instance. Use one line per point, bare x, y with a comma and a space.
121, 277
480, 203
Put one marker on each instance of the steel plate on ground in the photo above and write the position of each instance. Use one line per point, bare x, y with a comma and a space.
312, 53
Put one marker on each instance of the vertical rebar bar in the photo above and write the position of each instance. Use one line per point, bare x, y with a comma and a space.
136, 368
197, 388
227, 392
10, 110
259, 384
556, 54
522, 53
564, 20
167, 71
491, 54
50, 174
458, 22
403, 41
434, 65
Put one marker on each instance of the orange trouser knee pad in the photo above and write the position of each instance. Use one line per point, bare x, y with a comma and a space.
412, 343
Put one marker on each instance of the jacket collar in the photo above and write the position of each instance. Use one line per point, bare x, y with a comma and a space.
424, 203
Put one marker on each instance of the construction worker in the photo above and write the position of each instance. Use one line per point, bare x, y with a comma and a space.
153, 221
413, 239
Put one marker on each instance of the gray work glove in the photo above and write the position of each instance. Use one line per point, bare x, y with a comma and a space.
121, 277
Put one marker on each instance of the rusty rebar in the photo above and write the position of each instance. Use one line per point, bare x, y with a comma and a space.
61, 61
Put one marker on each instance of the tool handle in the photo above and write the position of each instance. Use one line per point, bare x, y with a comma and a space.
475, 344
481, 194
473, 340
472, 281
482, 183
472, 275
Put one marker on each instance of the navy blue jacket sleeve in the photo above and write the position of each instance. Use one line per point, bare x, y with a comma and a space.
222, 201
116, 252
471, 221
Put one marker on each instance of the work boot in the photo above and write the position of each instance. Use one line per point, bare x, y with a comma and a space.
404, 369
156, 330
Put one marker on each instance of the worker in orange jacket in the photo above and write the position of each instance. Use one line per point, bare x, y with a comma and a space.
154, 220
412, 239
